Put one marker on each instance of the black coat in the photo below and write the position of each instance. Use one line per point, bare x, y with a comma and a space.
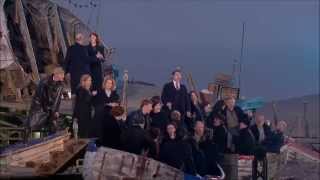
179, 98
220, 137
101, 109
82, 111
159, 120
245, 142
111, 133
276, 141
96, 67
137, 117
267, 133
177, 153
136, 140
77, 63
43, 101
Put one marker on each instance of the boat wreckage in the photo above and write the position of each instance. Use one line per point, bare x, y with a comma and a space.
34, 36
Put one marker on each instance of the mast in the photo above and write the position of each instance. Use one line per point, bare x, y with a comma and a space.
241, 53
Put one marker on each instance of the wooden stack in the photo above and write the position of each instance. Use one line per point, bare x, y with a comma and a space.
45, 157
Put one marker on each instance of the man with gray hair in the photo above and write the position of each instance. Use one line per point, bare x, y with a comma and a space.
77, 61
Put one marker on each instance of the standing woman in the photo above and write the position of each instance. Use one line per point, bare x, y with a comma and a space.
82, 109
106, 98
96, 50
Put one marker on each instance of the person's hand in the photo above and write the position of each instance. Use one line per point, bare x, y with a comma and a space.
94, 93
189, 115
113, 104
169, 105
99, 55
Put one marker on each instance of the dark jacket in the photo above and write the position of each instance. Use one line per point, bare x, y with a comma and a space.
220, 137
43, 102
267, 133
136, 140
177, 153
159, 120
275, 142
245, 142
82, 111
77, 63
111, 133
179, 98
137, 117
96, 67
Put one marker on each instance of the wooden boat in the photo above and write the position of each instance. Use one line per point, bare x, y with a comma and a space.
39, 157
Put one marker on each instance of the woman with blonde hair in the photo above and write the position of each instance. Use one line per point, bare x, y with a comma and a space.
82, 109
106, 98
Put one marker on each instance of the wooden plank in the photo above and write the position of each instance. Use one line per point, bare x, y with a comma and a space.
26, 37
58, 29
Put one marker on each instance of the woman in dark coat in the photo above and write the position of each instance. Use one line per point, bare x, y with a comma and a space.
113, 126
82, 108
106, 98
95, 48
159, 118
176, 152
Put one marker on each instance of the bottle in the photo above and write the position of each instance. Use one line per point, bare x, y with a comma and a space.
75, 129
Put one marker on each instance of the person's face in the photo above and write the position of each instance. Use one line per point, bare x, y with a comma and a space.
260, 120
157, 108
109, 85
87, 83
281, 127
177, 76
199, 129
171, 130
230, 103
80, 39
147, 108
59, 77
93, 39
217, 122
194, 97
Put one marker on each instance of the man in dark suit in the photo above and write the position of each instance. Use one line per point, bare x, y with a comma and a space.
260, 130
175, 96
77, 61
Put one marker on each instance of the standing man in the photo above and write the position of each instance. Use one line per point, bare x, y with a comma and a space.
78, 62
175, 96
44, 110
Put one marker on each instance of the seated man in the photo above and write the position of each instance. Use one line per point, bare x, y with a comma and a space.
261, 130
142, 115
277, 138
245, 142
44, 109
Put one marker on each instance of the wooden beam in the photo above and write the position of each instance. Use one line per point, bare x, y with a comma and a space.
58, 29
50, 42
26, 37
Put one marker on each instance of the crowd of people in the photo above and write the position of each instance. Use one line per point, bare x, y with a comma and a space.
174, 127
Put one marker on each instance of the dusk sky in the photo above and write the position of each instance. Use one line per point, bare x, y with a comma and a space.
152, 37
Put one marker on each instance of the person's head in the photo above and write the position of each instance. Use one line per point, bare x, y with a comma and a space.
146, 106
156, 104
154, 133
171, 129
194, 96
199, 128
86, 81
177, 75
109, 84
80, 39
117, 112
230, 103
218, 120
94, 38
175, 116
58, 74
281, 126
260, 120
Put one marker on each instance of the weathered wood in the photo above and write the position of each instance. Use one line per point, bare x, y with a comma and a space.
58, 29
26, 37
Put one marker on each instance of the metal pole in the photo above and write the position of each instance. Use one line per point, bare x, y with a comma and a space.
305, 105
241, 53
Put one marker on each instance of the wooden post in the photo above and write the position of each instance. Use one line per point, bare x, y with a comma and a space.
305, 119
58, 29
26, 37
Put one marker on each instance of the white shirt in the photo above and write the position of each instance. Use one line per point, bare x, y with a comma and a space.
176, 84
108, 93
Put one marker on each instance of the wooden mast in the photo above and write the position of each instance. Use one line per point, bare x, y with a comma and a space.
58, 29
26, 37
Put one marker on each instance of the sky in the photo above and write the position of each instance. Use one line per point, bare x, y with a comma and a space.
152, 37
